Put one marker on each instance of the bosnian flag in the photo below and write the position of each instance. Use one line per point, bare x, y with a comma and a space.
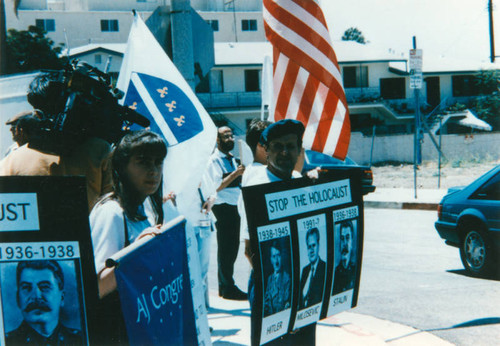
156, 89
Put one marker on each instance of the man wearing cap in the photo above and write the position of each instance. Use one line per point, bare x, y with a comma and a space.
90, 158
283, 142
226, 173
19, 135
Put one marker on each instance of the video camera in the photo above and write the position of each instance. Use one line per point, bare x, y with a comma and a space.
74, 104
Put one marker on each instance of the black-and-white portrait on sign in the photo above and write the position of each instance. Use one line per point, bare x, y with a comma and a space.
313, 250
277, 274
42, 302
345, 235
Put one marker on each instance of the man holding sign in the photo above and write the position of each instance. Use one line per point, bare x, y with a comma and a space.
283, 142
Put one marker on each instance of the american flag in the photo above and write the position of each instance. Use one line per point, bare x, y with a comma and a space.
306, 77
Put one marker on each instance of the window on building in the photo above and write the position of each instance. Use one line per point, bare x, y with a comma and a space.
214, 23
392, 88
109, 25
252, 80
46, 25
464, 85
216, 81
98, 58
355, 76
249, 25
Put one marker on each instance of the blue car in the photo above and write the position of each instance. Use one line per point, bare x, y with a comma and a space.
314, 159
469, 218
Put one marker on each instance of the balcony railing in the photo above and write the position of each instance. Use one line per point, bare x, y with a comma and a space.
230, 99
355, 95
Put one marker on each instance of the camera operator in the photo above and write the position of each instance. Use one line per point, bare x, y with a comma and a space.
18, 129
89, 158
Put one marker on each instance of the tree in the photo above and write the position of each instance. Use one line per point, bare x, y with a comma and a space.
29, 50
354, 34
487, 104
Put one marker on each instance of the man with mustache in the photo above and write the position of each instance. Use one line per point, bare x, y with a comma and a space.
345, 273
40, 296
277, 295
282, 142
225, 171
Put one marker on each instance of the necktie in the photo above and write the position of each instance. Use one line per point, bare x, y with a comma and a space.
230, 160
305, 292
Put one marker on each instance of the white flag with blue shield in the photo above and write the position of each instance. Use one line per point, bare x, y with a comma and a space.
156, 89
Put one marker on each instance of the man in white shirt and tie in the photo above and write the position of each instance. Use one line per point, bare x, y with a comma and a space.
226, 173
312, 280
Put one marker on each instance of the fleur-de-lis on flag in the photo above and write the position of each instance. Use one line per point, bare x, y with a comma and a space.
171, 106
162, 92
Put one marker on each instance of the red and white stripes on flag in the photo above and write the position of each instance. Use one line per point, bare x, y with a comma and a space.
306, 78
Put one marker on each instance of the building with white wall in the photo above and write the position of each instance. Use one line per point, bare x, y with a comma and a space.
376, 81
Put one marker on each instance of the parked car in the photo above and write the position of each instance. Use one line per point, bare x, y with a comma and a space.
469, 218
315, 159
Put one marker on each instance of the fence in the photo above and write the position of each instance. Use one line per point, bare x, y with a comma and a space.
399, 148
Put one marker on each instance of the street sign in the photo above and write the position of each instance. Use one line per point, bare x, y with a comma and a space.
416, 78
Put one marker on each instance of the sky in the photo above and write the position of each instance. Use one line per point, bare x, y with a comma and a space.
457, 29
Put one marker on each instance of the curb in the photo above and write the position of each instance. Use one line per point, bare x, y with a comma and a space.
230, 321
401, 205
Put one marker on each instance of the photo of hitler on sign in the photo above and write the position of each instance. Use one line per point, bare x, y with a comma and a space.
278, 283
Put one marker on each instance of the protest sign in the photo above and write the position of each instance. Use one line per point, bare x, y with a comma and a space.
158, 289
307, 236
45, 237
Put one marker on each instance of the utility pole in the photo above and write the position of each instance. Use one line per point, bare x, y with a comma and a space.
182, 39
416, 82
492, 33
233, 7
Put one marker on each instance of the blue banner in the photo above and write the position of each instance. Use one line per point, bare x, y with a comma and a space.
155, 291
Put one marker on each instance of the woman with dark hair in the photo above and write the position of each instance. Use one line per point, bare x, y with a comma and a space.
131, 211
123, 216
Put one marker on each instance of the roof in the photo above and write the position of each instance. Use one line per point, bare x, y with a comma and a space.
253, 53
241, 53
434, 64
250, 53
351, 51
117, 48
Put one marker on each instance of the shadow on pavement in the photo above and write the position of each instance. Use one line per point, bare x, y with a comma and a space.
479, 322
473, 323
227, 343
232, 312
224, 332
464, 272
